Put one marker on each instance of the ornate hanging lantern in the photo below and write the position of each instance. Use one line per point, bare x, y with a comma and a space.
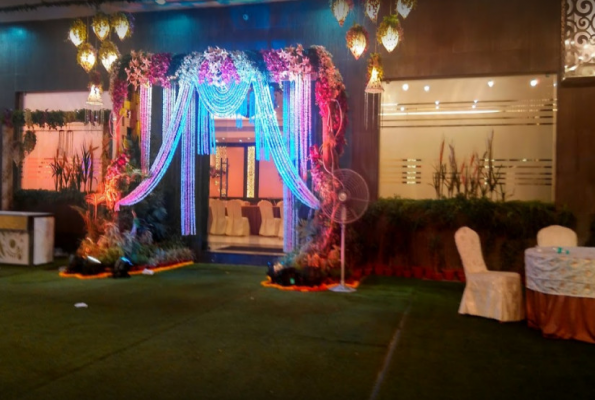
122, 24
95, 90
101, 26
108, 54
404, 7
372, 8
341, 9
357, 40
390, 32
78, 32
87, 56
375, 74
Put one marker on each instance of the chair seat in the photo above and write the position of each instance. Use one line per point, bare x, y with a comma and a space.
493, 294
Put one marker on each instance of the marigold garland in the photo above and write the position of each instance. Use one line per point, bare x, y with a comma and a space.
104, 275
78, 32
372, 8
357, 40
101, 26
320, 288
375, 61
341, 9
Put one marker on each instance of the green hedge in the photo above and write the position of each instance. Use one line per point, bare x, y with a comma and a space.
411, 233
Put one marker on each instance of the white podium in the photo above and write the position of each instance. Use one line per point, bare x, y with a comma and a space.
26, 238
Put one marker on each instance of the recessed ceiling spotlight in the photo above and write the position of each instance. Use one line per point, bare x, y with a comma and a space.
473, 106
491, 83
240, 140
405, 87
475, 101
437, 102
160, 2
427, 88
402, 108
437, 107
555, 84
534, 82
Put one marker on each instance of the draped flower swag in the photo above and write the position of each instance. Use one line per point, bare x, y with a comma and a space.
216, 82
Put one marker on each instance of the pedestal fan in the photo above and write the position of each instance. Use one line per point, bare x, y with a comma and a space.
350, 200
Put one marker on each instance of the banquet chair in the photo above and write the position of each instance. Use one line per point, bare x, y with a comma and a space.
219, 220
237, 225
281, 233
556, 236
490, 294
269, 225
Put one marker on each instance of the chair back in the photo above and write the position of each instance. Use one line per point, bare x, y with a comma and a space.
218, 208
469, 247
266, 209
234, 209
557, 236
280, 205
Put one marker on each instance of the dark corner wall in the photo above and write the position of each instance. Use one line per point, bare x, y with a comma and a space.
443, 38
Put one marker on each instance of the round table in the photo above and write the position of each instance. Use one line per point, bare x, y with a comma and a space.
561, 291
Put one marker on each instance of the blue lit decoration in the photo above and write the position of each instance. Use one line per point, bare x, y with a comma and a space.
189, 109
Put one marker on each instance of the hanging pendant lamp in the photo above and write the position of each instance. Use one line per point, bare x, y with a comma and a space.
341, 9
87, 56
101, 26
390, 32
357, 40
372, 8
375, 74
108, 54
404, 7
78, 32
122, 24
95, 89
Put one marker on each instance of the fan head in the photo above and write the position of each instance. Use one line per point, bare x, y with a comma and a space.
350, 197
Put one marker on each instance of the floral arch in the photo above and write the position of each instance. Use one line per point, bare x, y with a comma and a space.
199, 86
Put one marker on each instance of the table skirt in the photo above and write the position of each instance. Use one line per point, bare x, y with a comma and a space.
561, 317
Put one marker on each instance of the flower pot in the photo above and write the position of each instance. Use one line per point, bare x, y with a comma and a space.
438, 276
461, 275
407, 273
418, 272
449, 274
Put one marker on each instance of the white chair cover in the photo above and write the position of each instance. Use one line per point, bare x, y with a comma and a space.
269, 225
281, 222
556, 236
489, 294
219, 220
236, 224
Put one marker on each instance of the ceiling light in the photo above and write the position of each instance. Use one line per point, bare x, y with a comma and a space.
475, 101
491, 83
427, 88
405, 87
534, 82
473, 106
437, 107
437, 102
78, 32
160, 2
402, 108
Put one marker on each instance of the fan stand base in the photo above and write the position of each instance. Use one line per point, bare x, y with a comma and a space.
342, 289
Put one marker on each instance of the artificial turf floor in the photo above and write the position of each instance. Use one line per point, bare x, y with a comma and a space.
212, 332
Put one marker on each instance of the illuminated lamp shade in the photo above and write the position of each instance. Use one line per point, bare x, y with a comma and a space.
404, 7
341, 9
78, 32
108, 54
101, 26
357, 40
372, 8
390, 32
95, 96
87, 56
122, 25
375, 74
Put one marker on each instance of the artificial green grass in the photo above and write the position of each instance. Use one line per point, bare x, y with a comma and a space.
212, 332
